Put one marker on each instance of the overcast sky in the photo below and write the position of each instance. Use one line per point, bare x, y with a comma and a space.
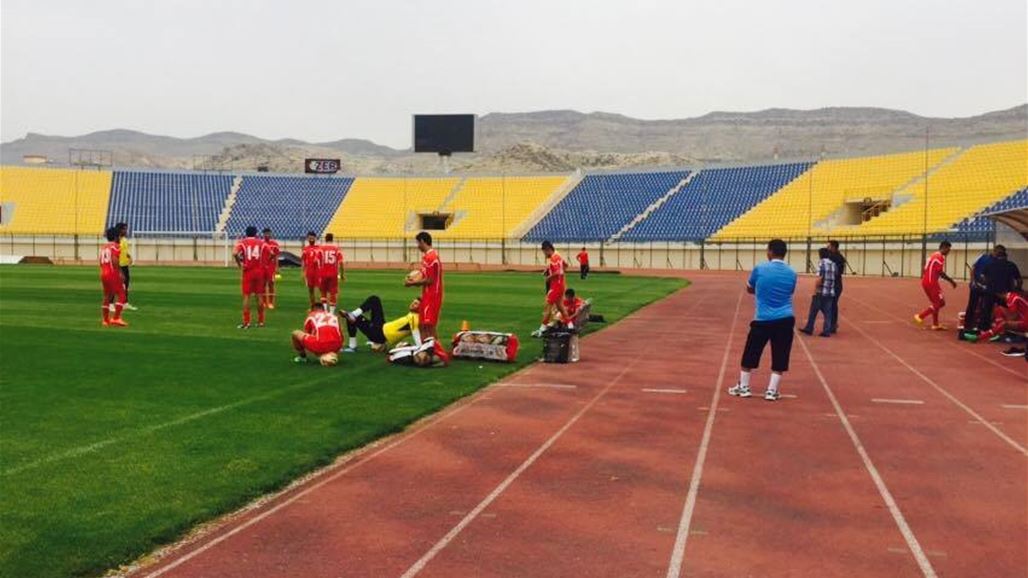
327, 69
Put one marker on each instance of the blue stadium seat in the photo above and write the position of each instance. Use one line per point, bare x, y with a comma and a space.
980, 228
290, 206
602, 204
168, 202
712, 199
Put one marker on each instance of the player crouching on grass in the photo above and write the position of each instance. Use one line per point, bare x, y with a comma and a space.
381, 335
311, 260
555, 267
248, 254
111, 279
320, 336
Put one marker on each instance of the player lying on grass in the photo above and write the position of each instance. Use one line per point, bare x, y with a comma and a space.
934, 270
1013, 304
320, 336
249, 256
111, 280
555, 267
381, 335
269, 256
311, 263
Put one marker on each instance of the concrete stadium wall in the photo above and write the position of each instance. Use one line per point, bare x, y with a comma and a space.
873, 258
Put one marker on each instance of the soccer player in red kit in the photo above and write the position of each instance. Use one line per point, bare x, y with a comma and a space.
431, 284
555, 267
935, 269
248, 254
110, 278
1014, 303
583, 263
311, 260
320, 335
331, 259
269, 257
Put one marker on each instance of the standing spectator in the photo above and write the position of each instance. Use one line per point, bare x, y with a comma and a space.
583, 263
773, 283
840, 266
976, 288
125, 260
824, 294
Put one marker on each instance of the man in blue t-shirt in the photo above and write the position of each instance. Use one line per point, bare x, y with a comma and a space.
773, 283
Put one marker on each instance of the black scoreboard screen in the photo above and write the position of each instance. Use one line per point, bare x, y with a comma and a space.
444, 133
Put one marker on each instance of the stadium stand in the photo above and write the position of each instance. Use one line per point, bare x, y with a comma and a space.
979, 177
712, 199
377, 207
602, 204
980, 226
54, 201
168, 202
290, 206
492, 207
804, 204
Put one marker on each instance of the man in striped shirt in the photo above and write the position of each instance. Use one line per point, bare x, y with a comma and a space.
824, 295
935, 269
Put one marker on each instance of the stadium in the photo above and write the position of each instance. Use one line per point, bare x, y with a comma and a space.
160, 436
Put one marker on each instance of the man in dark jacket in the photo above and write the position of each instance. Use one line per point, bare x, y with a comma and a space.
1000, 275
840, 267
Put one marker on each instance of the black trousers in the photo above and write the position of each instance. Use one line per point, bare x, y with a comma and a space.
835, 304
779, 333
986, 305
371, 328
974, 299
125, 276
584, 270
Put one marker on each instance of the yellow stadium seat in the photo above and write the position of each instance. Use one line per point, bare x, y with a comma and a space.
54, 201
492, 207
387, 207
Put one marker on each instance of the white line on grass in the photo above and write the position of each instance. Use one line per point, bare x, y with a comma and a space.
946, 393
489, 499
883, 490
678, 553
96, 446
899, 401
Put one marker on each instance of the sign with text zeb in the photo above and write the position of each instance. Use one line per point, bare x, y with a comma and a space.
321, 166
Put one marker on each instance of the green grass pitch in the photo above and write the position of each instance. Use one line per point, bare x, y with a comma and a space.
115, 441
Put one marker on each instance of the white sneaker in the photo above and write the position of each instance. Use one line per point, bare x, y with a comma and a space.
131, 307
740, 391
771, 395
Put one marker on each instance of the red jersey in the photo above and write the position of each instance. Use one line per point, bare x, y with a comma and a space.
311, 259
109, 254
432, 271
324, 326
583, 258
269, 253
572, 306
250, 251
330, 258
933, 269
1017, 304
555, 268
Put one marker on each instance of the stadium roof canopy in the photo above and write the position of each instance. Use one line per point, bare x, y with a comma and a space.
1016, 219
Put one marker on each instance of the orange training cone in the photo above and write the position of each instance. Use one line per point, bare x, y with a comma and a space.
465, 326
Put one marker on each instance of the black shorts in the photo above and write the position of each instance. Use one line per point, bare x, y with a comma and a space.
779, 333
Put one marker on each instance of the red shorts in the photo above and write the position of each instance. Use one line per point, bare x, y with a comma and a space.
934, 293
313, 281
269, 273
253, 282
329, 284
311, 343
113, 285
428, 313
556, 294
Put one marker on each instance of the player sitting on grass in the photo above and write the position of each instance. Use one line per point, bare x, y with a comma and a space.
381, 335
111, 280
1011, 302
572, 304
555, 267
320, 336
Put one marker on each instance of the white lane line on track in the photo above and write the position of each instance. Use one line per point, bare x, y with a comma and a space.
663, 390
499, 489
1013, 443
898, 401
541, 385
674, 568
959, 347
883, 490
1013, 406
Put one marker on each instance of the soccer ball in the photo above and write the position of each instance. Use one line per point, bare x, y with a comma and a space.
278, 276
329, 359
415, 276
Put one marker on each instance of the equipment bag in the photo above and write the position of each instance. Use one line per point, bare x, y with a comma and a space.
557, 346
486, 345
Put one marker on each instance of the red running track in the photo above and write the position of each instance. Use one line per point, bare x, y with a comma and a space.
899, 452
